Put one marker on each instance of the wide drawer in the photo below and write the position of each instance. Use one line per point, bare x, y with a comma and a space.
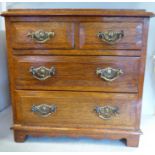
82, 73
110, 35
76, 109
40, 35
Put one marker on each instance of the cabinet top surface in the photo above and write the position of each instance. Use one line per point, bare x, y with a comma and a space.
77, 12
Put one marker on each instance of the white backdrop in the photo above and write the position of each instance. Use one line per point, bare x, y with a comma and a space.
4, 93
149, 84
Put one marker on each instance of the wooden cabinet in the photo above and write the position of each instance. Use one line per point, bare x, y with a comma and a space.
77, 72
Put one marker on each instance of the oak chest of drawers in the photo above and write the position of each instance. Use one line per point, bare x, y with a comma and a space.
77, 72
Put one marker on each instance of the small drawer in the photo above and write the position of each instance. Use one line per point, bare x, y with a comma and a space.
110, 35
74, 109
42, 35
80, 73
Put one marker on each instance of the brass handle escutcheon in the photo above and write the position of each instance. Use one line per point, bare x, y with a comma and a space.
111, 37
44, 110
107, 112
42, 73
40, 36
109, 74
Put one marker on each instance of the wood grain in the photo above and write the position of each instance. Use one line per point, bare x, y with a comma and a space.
132, 137
77, 12
63, 38
132, 38
77, 73
77, 52
70, 114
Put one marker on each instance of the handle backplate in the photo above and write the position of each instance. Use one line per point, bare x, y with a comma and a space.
40, 36
43, 110
42, 73
111, 37
109, 74
107, 112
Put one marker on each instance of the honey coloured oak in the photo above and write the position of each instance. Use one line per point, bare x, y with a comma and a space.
77, 109
77, 72
131, 35
63, 35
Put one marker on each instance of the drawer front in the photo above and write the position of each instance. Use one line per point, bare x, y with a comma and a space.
76, 109
111, 35
82, 73
39, 35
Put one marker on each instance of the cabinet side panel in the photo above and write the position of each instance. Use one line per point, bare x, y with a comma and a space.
142, 69
10, 65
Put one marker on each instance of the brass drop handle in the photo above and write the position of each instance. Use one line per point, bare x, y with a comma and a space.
106, 112
109, 74
111, 37
40, 36
42, 73
43, 110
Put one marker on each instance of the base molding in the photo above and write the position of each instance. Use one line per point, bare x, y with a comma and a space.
131, 136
